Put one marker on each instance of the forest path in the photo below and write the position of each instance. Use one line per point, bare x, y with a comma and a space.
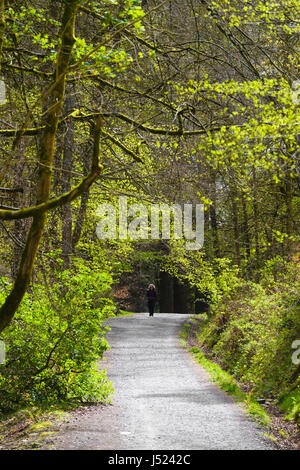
162, 400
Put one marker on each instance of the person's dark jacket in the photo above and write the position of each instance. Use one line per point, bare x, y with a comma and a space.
151, 295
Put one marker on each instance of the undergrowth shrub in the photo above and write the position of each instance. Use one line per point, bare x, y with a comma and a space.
251, 333
55, 340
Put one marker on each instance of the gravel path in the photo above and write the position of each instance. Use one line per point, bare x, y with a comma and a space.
166, 400
163, 400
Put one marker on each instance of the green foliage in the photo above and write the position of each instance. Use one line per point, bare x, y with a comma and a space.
252, 333
290, 403
274, 15
55, 341
24, 22
256, 112
218, 277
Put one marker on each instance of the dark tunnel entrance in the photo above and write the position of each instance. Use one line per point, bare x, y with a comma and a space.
179, 297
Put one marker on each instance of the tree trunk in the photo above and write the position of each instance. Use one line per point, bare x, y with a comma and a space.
256, 221
289, 213
166, 293
246, 234
213, 217
2, 28
236, 231
54, 101
66, 211
83, 207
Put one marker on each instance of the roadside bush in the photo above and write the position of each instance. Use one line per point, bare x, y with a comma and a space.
55, 340
252, 332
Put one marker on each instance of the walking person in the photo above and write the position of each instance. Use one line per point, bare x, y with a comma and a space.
151, 299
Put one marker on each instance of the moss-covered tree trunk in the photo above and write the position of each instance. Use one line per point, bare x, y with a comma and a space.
50, 121
2, 28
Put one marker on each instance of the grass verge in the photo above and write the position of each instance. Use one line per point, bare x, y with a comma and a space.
226, 382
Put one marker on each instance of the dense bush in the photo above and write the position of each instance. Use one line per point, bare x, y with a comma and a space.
251, 333
55, 340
